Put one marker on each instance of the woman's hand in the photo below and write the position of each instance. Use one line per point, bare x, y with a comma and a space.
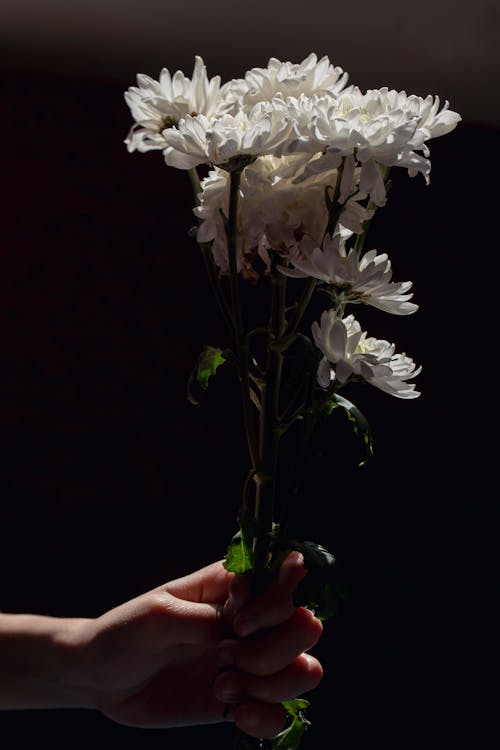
193, 651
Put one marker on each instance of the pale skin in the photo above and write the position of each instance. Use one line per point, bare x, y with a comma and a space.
196, 650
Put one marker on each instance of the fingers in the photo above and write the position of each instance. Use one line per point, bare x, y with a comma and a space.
209, 584
213, 584
212, 603
298, 677
271, 651
240, 591
256, 701
272, 607
260, 720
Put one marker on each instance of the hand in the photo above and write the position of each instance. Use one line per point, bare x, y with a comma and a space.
165, 658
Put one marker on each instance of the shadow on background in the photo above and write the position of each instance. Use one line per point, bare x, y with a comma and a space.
111, 482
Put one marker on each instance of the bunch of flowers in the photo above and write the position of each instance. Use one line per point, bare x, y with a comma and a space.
289, 166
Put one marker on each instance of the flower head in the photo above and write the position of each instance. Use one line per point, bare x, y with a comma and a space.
285, 79
348, 352
156, 105
200, 140
275, 213
365, 279
381, 127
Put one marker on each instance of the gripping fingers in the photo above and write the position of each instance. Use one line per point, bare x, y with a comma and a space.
273, 650
275, 605
302, 675
262, 720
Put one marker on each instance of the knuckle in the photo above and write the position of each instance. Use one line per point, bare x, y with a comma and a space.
158, 607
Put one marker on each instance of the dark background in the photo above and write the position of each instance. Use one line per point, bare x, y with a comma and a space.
111, 482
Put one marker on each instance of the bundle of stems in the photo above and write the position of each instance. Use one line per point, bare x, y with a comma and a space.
272, 410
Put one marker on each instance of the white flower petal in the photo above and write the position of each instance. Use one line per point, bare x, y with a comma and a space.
364, 279
155, 105
372, 359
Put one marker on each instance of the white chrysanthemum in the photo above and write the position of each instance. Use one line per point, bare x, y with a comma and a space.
156, 105
213, 204
274, 214
365, 279
315, 127
432, 121
284, 79
349, 352
382, 127
200, 140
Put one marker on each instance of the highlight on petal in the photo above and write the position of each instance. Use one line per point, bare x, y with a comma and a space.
218, 140
356, 279
311, 77
381, 127
362, 357
157, 105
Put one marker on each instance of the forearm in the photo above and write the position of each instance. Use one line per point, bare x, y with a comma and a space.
41, 662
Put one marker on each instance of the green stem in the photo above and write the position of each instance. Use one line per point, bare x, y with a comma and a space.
231, 234
360, 239
213, 280
239, 335
307, 293
269, 436
334, 207
208, 260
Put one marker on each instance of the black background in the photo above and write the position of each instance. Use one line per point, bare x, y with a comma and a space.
111, 482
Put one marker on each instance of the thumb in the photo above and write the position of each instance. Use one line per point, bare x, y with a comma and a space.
185, 622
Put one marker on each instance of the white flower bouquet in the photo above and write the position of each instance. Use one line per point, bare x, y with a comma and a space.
295, 165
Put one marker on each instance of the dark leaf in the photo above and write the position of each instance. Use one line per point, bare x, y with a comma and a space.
300, 366
358, 421
322, 588
243, 741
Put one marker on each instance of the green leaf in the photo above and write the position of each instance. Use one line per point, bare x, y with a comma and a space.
358, 420
293, 707
288, 739
239, 555
209, 360
291, 736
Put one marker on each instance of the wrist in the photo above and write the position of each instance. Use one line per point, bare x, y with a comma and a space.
42, 662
